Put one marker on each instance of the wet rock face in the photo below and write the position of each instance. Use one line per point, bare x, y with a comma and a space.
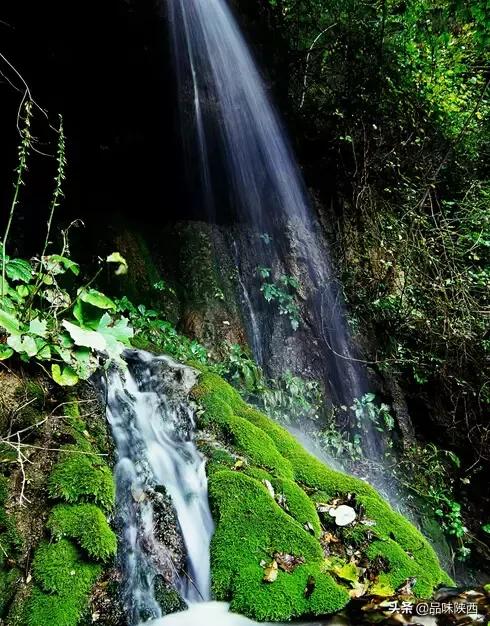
167, 529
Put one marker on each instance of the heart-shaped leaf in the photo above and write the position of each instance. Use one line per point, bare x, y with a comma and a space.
38, 327
87, 338
23, 344
64, 376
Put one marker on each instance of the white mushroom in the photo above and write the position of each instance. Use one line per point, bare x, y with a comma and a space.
344, 515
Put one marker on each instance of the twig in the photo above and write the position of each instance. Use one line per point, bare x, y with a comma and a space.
305, 79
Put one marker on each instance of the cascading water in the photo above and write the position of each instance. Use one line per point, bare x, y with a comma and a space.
245, 166
152, 423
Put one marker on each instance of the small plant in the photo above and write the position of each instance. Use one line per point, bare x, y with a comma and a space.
365, 408
46, 312
163, 287
283, 293
153, 333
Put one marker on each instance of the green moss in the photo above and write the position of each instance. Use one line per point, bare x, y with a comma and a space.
8, 585
10, 540
59, 568
4, 490
30, 396
251, 526
241, 433
401, 568
87, 525
43, 608
81, 476
297, 503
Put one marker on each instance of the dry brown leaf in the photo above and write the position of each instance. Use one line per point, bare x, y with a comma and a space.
270, 572
287, 562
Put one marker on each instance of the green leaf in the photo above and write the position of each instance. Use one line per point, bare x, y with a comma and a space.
22, 291
348, 572
116, 257
5, 352
87, 338
38, 327
18, 269
44, 352
84, 362
66, 377
119, 330
9, 322
454, 458
97, 299
486, 528
57, 264
21, 344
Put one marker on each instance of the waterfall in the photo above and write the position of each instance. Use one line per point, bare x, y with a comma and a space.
246, 166
152, 423
241, 163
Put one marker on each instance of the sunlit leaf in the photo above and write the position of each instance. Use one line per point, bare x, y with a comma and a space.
38, 327
87, 338
97, 299
64, 376
116, 257
22, 344
57, 264
9, 321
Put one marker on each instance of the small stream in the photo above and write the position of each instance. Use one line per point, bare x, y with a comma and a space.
152, 424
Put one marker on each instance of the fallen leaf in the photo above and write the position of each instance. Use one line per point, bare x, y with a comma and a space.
407, 587
281, 501
270, 573
322, 507
358, 589
309, 527
270, 488
287, 562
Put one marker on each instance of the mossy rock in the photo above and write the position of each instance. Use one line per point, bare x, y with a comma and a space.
59, 568
254, 522
82, 476
87, 526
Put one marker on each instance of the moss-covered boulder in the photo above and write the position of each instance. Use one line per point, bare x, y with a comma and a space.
277, 552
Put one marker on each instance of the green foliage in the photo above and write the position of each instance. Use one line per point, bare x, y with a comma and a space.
82, 476
252, 524
87, 525
288, 399
45, 312
153, 333
283, 292
392, 102
431, 484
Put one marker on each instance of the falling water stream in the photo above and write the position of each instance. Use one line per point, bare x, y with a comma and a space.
152, 423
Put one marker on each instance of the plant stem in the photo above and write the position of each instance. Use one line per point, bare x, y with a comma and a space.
24, 147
